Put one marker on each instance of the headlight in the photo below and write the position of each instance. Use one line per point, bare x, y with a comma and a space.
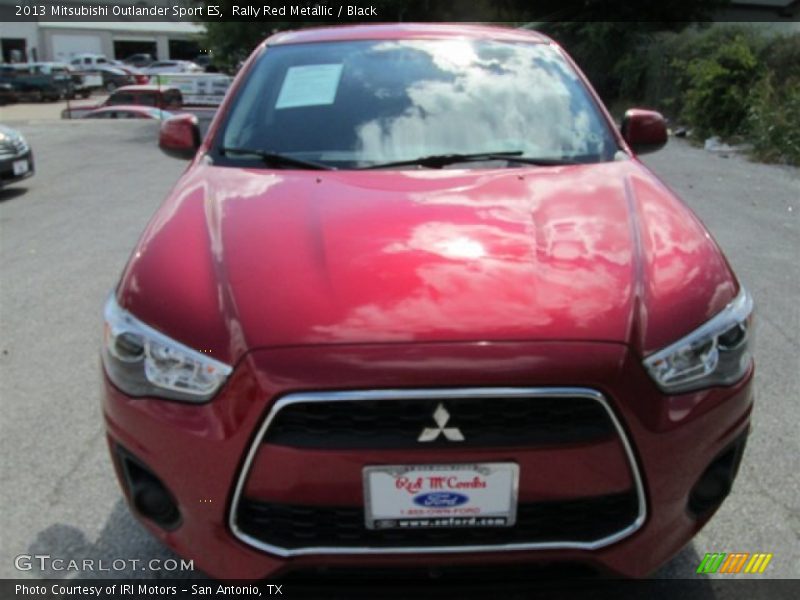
12, 143
141, 361
717, 353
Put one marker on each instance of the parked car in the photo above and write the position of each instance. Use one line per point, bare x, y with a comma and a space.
16, 157
165, 98
147, 95
84, 82
172, 66
8, 95
127, 112
138, 77
30, 84
139, 60
88, 61
417, 302
206, 89
60, 73
114, 78
205, 62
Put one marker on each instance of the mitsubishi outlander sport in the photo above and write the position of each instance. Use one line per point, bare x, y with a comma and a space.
416, 301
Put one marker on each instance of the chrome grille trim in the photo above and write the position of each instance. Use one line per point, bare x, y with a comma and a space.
443, 394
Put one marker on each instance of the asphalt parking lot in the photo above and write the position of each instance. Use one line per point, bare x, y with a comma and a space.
66, 233
39, 111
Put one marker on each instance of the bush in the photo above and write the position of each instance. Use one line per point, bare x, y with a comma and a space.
728, 80
668, 58
719, 88
773, 120
782, 56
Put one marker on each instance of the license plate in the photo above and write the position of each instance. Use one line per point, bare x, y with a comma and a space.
20, 167
434, 496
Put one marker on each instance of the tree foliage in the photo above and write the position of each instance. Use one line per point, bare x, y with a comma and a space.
719, 86
597, 32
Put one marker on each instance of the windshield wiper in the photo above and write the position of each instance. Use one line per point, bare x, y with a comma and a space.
279, 160
437, 161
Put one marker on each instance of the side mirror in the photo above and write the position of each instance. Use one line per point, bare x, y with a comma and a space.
179, 136
644, 130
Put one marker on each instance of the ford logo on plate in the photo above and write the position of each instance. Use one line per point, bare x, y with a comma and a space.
440, 499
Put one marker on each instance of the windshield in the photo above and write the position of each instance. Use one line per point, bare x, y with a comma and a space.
364, 103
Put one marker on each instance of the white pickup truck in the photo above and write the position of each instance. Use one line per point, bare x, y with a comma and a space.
88, 62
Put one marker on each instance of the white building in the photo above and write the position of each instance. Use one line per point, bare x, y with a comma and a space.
48, 40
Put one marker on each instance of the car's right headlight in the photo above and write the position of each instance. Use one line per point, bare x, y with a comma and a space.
719, 352
142, 361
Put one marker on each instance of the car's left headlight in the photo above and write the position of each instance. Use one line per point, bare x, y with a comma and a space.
141, 361
719, 352
12, 143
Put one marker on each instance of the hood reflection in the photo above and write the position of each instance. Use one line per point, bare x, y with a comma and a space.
524, 256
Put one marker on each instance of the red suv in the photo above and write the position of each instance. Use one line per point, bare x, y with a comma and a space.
416, 302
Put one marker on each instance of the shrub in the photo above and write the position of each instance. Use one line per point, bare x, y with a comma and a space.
719, 88
773, 120
669, 55
781, 55
730, 80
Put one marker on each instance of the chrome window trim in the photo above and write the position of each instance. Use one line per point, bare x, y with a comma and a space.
433, 394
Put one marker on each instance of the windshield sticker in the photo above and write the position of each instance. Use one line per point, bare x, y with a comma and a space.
310, 85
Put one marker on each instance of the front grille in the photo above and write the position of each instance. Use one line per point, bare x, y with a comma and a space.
482, 421
297, 526
515, 418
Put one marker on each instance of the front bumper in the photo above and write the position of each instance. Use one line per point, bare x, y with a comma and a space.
206, 455
11, 168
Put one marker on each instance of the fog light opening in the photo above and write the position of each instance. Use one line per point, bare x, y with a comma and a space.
154, 502
710, 491
149, 496
717, 480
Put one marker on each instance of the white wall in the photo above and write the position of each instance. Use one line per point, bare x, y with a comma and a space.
65, 46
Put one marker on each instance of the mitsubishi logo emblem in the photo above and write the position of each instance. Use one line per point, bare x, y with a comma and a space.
441, 416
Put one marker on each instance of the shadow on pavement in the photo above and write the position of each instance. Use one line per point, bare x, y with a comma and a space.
12, 192
124, 538
121, 538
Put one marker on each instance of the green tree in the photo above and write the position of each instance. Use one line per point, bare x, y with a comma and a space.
720, 83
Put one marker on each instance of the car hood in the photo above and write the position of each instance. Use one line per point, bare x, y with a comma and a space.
7, 132
237, 259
